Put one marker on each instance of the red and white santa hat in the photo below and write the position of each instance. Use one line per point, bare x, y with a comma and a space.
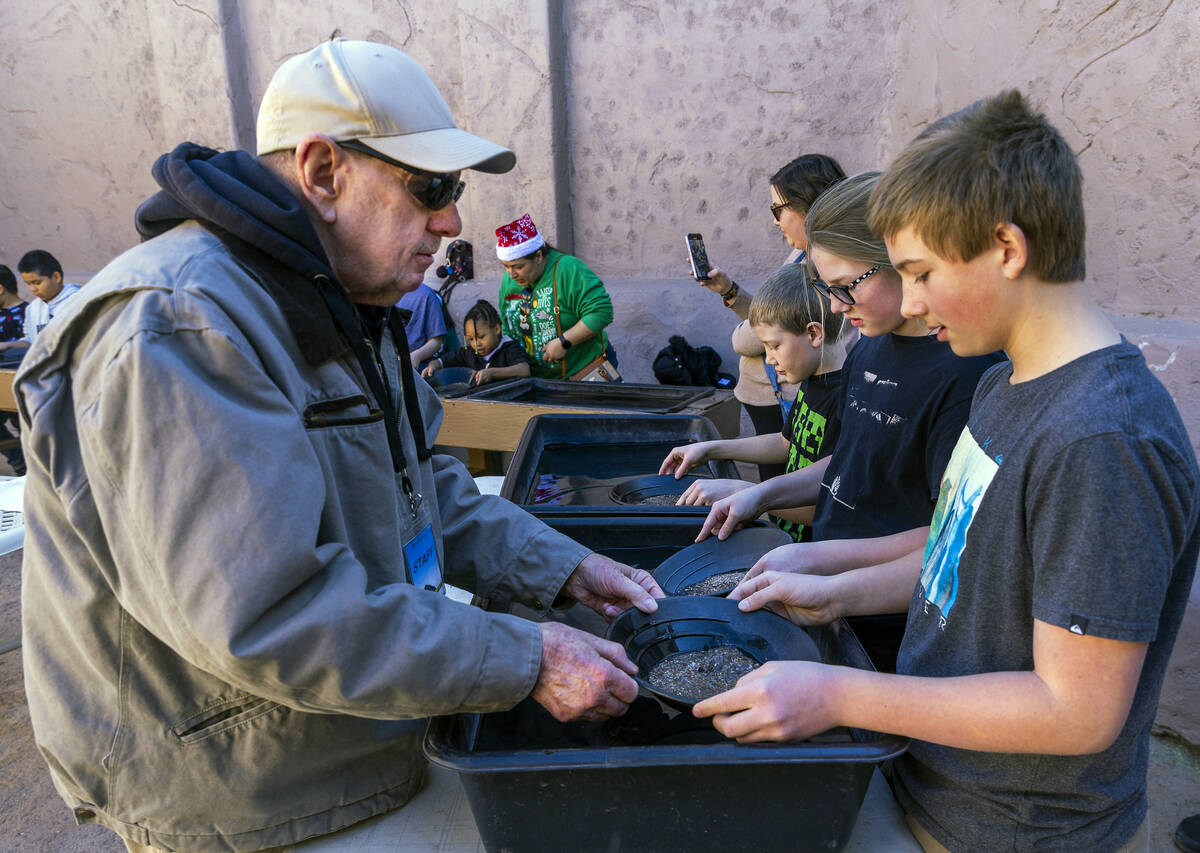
518, 239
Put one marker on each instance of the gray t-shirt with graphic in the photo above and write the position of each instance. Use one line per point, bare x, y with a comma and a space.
1070, 499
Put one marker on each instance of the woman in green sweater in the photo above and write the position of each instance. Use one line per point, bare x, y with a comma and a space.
552, 304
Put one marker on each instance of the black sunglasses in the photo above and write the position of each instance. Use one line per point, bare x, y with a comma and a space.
435, 190
840, 292
775, 208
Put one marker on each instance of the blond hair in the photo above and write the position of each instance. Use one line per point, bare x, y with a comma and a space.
837, 223
787, 300
996, 161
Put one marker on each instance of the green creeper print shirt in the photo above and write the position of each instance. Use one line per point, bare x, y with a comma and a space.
811, 430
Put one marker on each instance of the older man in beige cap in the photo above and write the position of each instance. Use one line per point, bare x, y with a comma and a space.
237, 535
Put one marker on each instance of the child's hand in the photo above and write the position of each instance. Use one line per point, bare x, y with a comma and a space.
481, 376
431, 368
781, 700
803, 599
731, 513
705, 492
684, 458
795, 558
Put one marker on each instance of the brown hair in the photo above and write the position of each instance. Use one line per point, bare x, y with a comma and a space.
788, 301
992, 162
803, 179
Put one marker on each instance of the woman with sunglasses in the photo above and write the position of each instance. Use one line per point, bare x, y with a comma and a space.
765, 398
904, 400
553, 305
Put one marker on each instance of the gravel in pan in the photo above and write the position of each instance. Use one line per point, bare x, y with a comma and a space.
659, 500
702, 673
712, 584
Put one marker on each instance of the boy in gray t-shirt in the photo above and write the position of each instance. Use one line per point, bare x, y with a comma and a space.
1044, 606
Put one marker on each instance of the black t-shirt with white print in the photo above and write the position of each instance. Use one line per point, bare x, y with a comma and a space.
903, 402
812, 427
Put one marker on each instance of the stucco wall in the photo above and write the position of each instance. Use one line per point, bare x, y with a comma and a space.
633, 122
673, 114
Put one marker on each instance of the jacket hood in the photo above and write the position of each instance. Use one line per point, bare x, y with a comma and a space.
232, 191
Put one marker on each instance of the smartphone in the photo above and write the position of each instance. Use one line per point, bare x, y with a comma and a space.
698, 257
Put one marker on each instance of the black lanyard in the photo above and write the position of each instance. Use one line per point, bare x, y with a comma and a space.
352, 328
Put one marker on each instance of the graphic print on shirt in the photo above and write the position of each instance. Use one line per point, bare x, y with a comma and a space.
531, 312
805, 438
855, 406
964, 484
808, 434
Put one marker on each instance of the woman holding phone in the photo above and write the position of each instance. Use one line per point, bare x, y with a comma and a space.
766, 400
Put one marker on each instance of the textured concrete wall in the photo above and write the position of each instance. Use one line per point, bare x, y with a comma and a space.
670, 115
633, 122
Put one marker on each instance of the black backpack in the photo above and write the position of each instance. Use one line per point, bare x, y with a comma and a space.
679, 363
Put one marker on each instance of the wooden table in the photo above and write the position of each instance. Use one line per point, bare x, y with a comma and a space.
497, 425
8, 402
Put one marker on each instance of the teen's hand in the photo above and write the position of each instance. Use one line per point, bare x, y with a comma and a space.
432, 368
582, 676
684, 458
731, 513
798, 558
802, 599
706, 492
779, 701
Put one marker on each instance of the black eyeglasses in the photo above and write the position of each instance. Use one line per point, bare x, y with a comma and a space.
840, 292
775, 208
435, 190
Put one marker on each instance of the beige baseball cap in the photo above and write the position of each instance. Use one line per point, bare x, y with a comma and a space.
377, 95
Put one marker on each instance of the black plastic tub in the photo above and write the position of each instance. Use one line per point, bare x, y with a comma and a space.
567, 463
655, 779
655, 399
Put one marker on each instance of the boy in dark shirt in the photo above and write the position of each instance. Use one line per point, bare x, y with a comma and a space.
1039, 631
805, 342
487, 352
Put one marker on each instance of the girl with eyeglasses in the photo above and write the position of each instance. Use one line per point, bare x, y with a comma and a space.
763, 394
904, 399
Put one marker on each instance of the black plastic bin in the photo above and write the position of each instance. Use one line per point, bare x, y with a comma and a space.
655, 780
567, 463
656, 399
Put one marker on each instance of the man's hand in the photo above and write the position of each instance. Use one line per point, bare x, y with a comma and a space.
582, 676
431, 368
781, 700
728, 514
683, 459
803, 599
610, 588
705, 492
